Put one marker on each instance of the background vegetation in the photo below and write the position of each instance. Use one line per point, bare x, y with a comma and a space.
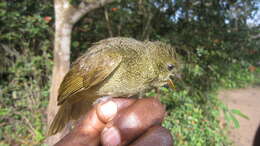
218, 46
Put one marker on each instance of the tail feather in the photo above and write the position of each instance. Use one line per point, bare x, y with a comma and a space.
68, 112
60, 120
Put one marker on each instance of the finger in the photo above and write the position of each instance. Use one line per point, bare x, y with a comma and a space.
107, 111
132, 121
94, 122
87, 131
98, 116
155, 136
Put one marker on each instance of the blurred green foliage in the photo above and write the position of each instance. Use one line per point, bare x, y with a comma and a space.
25, 69
192, 123
217, 48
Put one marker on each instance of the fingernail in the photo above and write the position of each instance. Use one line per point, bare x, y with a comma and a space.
108, 110
111, 137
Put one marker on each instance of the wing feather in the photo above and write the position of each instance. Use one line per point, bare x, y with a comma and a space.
88, 72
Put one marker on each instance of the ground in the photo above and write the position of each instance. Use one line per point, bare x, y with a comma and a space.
248, 102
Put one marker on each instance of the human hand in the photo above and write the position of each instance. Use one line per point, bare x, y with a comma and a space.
121, 121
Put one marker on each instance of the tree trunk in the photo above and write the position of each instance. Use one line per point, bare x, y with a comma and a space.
66, 16
61, 62
60, 68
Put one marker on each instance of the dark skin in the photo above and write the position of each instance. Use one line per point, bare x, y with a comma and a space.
121, 121
257, 137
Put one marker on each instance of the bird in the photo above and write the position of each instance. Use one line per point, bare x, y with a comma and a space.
113, 67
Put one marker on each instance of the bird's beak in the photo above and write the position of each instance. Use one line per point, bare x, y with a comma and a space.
170, 84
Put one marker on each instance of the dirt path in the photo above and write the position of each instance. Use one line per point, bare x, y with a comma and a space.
248, 102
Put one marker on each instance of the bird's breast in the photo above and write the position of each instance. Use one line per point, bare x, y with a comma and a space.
124, 82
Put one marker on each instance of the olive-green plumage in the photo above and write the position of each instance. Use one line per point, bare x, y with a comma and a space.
115, 67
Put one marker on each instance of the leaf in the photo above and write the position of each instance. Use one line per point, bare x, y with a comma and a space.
235, 121
4, 111
239, 113
166, 90
227, 118
75, 44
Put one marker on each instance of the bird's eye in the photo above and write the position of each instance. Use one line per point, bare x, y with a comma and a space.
170, 67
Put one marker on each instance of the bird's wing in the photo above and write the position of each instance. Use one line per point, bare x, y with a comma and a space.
88, 72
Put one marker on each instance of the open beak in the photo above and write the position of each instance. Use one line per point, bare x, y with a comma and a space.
170, 84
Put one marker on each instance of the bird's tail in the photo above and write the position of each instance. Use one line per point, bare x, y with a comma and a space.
60, 120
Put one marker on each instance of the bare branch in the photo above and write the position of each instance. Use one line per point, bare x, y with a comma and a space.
145, 34
108, 23
148, 14
84, 8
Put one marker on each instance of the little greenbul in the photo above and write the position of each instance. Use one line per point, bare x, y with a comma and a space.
114, 67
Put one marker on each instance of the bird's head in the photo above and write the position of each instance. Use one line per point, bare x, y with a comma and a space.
166, 63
